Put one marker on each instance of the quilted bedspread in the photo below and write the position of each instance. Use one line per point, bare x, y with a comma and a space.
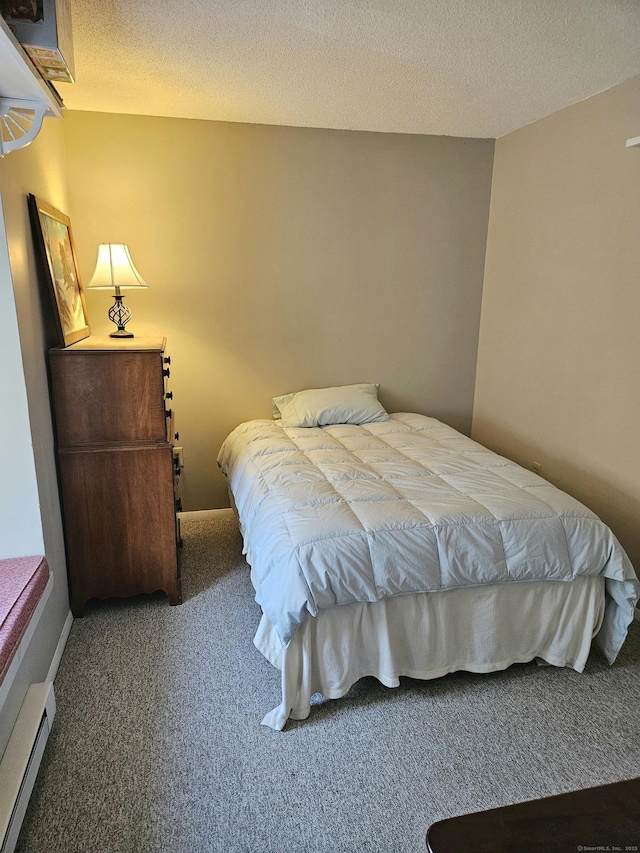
349, 513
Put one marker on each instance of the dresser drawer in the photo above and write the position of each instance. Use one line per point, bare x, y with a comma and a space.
120, 522
105, 397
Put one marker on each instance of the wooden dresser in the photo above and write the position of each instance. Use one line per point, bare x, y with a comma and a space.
114, 433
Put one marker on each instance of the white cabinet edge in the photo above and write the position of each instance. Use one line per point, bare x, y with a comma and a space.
25, 98
19, 79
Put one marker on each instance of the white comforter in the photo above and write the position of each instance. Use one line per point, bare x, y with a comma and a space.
350, 513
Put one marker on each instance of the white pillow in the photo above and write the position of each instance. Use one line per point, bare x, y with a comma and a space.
345, 404
278, 404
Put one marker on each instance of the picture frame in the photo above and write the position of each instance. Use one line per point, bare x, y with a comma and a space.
54, 240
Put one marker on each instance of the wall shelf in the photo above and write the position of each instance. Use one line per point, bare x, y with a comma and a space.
25, 97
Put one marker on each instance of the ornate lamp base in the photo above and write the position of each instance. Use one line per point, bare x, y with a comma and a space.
120, 314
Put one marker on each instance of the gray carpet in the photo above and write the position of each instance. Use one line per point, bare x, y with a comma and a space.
157, 743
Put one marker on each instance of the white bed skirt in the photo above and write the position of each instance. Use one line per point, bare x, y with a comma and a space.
427, 635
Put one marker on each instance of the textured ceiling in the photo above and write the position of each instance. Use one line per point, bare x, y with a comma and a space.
452, 67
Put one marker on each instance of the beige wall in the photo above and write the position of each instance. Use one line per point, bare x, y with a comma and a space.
284, 258
558, 378
38, 169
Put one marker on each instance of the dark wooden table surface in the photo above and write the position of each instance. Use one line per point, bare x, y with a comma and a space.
605, 818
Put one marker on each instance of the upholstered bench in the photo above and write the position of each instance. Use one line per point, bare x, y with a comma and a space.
22, 583
25, 585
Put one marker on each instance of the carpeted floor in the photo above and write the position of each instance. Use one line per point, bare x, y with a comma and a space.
157, 743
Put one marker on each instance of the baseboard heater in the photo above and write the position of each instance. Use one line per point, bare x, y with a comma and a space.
21, 760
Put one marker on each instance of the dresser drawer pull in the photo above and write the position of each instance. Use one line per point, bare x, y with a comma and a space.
176, 436
166, 372
168, 395
168, 413
167, 360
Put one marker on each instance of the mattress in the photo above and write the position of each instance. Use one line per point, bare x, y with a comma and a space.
359, 513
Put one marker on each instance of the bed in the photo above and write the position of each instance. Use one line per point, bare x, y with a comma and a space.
393, 545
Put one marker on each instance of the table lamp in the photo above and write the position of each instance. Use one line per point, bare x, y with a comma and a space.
115, 271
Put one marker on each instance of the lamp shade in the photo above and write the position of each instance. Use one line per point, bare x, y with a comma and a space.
114, 268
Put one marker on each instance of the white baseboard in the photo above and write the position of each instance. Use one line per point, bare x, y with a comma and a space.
62, 642
200, 514
21, 759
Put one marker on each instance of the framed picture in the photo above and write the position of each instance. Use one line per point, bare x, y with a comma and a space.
54, 238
